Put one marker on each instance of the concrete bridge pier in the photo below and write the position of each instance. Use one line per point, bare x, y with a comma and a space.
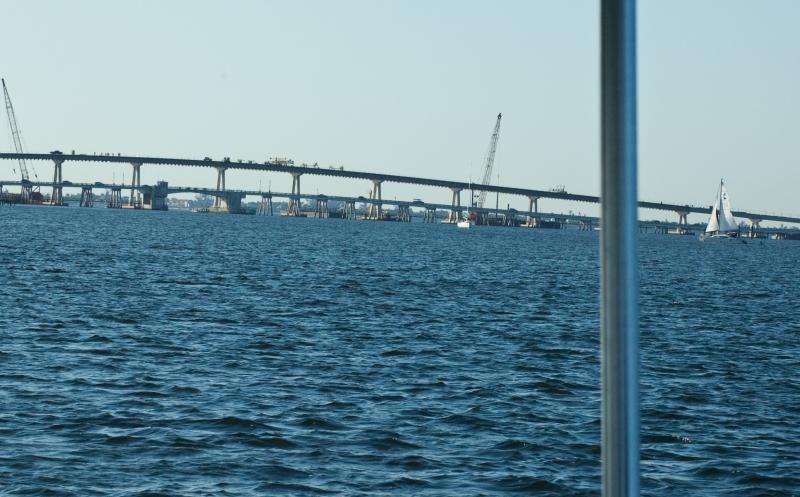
430, 215
321, 208
585, 225
115, 200
26, 194
455, 209
57, 197
226, 202
683, 221
265, 207
294, 200
533, 206
87, 197
135, 200
349, 208
375, 210
220, 201
404, 213
755, 224
155, 197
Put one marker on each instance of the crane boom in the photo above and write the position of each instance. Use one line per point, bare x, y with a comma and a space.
487, 172
15, 136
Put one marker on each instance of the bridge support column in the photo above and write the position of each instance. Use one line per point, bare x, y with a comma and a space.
220, 201
375, 210
57, 197
26, 194
404, 213
430, 215
294, 200
135, 200
755, 224
265, 207
155, 197
87, 197
533, 206
321, 208
455, 209
683, 221
115, 200
349, 209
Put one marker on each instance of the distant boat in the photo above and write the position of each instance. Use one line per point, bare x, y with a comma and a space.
464, 223
721, 224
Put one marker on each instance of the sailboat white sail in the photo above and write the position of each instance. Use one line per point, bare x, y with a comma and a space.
726, 220
721, 223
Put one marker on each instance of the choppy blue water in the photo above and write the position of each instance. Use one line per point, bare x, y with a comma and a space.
147, 353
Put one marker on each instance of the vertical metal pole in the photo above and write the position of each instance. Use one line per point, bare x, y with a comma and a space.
619, 313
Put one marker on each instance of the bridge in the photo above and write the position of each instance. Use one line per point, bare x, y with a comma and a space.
507, 217
377, 179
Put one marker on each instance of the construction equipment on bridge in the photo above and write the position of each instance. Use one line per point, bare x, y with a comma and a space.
27, 194
487, 173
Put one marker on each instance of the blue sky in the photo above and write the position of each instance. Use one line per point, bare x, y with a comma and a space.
412, 88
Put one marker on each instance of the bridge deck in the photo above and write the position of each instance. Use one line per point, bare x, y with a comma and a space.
278, 167
392, 202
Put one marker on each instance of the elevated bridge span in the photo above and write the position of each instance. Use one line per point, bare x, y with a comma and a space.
376, 178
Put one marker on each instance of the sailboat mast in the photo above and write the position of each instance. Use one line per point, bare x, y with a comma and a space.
719, 209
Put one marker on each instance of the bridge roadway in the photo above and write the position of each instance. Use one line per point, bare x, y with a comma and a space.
587, 221
379, 177
308, 196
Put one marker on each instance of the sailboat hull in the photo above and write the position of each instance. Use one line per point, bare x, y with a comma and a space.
717, 237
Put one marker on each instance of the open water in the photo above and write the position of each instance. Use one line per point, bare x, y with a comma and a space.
151, 353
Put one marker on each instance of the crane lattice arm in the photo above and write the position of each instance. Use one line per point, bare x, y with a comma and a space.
487, 173
15, 136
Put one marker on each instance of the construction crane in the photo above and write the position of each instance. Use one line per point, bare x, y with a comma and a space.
27, 191
487, 172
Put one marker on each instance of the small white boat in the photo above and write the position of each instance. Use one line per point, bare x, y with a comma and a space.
721, 223
466, 223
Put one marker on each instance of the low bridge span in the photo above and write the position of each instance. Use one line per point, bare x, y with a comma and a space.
512, 216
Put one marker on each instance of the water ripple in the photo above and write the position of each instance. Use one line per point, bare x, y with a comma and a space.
186, 355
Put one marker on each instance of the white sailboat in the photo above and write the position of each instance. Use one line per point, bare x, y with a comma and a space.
467, 222
721, 223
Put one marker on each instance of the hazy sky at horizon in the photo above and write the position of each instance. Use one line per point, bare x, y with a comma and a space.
411, 88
